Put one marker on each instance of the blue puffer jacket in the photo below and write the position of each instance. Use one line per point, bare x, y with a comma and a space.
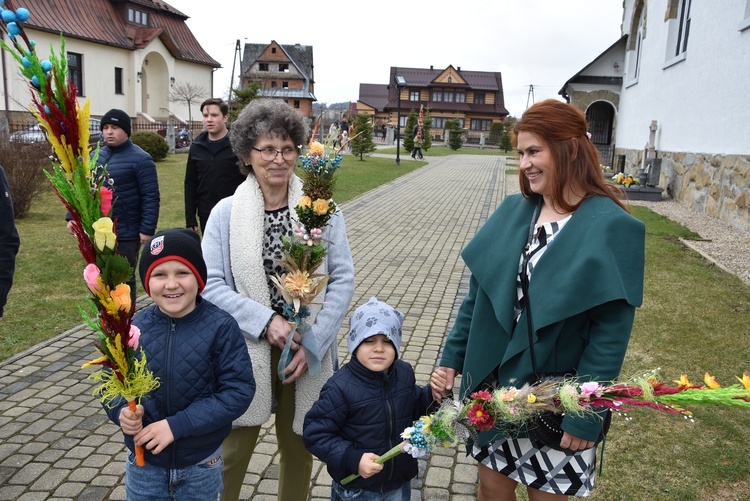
364, 411
206, 380
136, 189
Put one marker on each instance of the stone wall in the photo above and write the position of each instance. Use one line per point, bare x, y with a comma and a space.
716, 185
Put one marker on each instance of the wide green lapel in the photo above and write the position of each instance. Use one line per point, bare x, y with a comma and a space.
493, 254
601, 240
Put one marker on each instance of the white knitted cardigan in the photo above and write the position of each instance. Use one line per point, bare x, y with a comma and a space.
246, 255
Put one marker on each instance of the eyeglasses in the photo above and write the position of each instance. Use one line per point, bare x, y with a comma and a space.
269, 154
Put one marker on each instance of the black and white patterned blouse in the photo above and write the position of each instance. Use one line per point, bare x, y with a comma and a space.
543, 235
276, 224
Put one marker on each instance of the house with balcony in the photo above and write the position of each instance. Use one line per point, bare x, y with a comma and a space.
672, 92
283, 71
126, 54
475, 98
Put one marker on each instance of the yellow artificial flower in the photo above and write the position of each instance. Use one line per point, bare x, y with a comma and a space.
320, 207
711, 382
531, 398
104, 236
298, 283
683, 381
121, 297
745, 381
304, 202
316, 148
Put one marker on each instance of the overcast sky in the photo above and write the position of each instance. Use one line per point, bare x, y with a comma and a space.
531, 42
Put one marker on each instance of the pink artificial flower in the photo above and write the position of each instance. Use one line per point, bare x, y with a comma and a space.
135, 336
105, 197
482, 395
589, 388
91, 275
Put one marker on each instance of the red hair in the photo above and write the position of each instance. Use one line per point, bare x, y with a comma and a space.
562, 127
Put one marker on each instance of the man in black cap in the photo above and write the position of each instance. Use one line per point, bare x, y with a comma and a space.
132, 171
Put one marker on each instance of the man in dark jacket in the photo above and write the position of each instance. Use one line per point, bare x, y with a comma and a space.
9, 240
135, 207
212, 171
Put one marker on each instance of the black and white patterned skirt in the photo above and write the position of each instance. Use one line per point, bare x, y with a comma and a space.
545, 469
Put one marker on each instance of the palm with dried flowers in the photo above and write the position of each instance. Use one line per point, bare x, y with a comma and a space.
305, 250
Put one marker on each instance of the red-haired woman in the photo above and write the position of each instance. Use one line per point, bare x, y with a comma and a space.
567, 250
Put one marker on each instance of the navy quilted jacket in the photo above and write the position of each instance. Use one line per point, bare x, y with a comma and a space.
206, 380
364, 411
136, 189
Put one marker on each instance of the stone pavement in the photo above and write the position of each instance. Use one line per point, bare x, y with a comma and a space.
406, 237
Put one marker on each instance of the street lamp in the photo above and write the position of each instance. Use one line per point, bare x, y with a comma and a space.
400, 84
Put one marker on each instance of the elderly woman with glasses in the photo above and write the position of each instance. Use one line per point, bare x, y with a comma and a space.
241, 246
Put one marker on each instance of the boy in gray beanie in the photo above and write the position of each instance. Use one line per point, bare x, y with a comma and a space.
364, 407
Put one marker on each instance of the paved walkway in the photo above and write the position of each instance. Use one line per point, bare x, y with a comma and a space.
406, 236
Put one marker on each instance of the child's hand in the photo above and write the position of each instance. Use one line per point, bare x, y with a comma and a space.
439, 383
155, 437
367, 465
131, 422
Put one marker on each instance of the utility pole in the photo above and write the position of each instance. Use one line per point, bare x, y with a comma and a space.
530, 95
237, 50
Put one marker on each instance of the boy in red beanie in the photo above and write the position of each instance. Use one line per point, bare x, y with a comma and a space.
206, 380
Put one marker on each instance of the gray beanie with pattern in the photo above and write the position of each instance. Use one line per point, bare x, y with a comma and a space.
372, 318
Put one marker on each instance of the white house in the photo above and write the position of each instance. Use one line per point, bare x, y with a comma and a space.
684, 67
121, 54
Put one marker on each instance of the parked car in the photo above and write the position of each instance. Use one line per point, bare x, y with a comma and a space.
36, 134
32, 134
95, 131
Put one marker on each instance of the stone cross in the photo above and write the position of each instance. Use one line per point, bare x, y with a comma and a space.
651, 139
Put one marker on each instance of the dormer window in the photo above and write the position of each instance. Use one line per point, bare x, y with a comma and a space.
136, 16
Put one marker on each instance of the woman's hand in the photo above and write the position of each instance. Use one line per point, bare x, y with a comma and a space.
438, 382
574, 443
448, 375
279, 330
296, 368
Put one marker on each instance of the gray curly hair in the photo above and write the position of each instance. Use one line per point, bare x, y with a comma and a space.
262, 117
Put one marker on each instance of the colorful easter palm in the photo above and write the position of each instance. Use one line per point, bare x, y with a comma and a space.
86, 192
510, 408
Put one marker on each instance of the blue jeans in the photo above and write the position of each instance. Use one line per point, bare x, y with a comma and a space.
201, 482
341, 493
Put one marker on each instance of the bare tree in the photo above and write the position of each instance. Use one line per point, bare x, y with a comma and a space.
186, 92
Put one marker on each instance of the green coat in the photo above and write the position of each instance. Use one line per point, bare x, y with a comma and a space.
583, 292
